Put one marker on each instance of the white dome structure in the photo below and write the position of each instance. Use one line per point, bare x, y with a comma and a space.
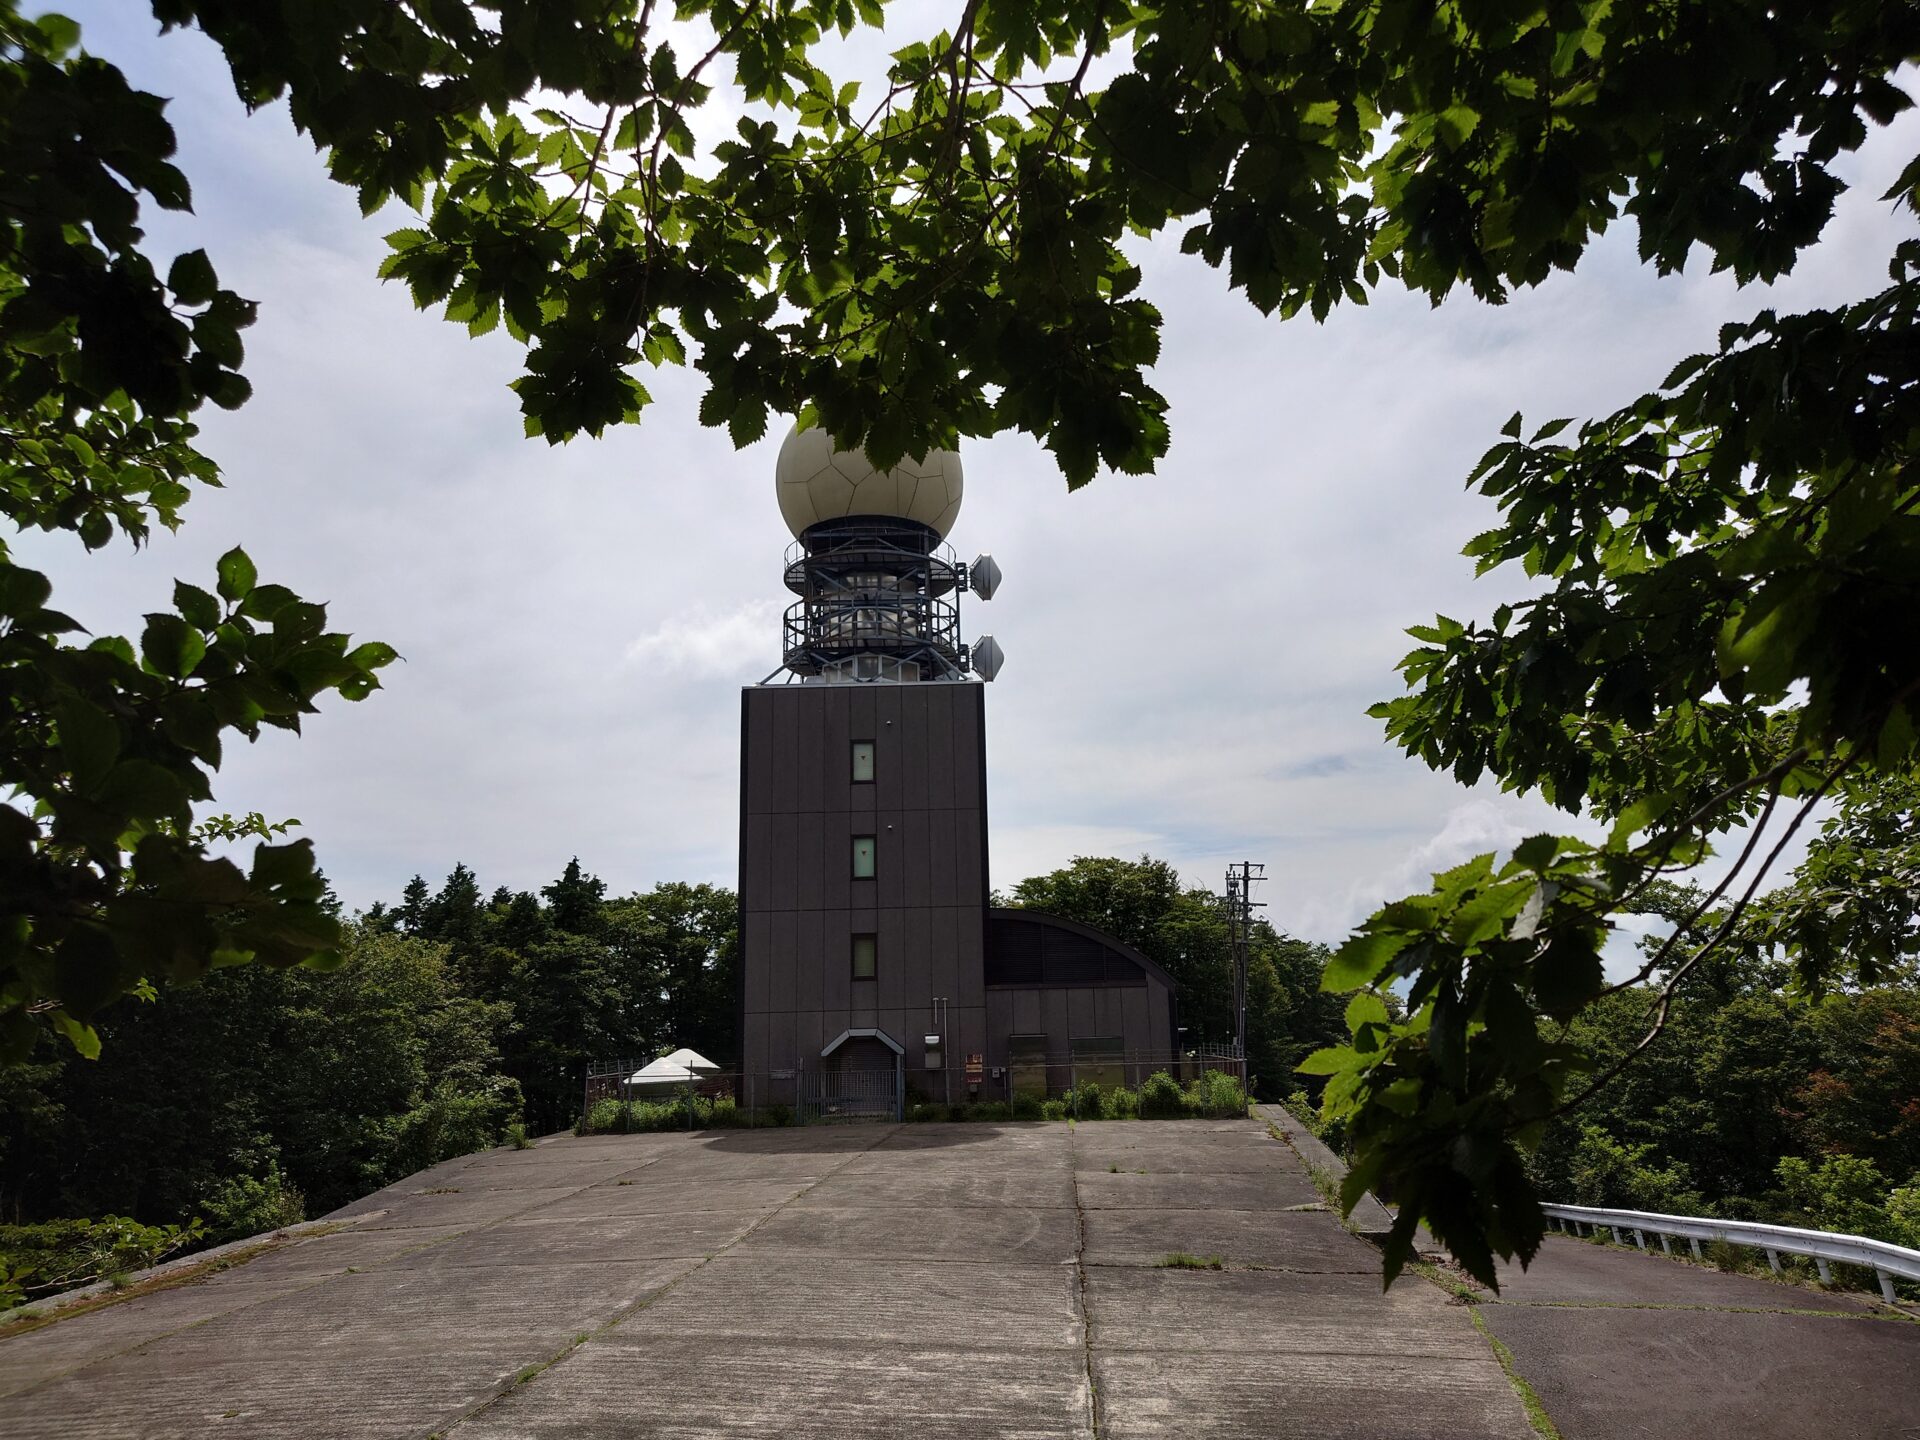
815, 482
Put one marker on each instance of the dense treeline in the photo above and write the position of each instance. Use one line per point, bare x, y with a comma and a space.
259, 1095
1751, 1104
586, 977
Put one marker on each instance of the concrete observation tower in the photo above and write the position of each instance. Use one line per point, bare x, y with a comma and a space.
871, 965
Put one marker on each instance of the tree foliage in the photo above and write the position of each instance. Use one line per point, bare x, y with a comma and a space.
586, 978
1725, 629
243, 1099
109, 743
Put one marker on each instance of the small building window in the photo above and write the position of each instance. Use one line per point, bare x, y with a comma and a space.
863, 857
866, 953
863, 762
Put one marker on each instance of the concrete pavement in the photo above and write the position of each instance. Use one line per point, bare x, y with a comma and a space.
925, 1281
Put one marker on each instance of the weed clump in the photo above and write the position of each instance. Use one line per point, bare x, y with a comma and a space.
637, 1117
1161, 1097
1181, 1260
1214, 1094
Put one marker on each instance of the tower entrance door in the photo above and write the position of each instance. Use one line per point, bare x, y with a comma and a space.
861, 1076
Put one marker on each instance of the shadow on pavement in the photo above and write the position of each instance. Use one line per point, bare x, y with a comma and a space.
847, 1138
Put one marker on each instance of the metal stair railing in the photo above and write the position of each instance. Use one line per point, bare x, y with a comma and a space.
1884, 1258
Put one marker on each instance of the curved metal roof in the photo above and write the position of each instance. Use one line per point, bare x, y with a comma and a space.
1087, 932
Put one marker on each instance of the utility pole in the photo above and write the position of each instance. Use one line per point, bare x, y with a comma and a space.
1241, 879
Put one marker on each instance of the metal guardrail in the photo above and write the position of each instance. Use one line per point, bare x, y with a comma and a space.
1885, 1259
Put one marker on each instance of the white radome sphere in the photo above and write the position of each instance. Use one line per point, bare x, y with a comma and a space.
816, 482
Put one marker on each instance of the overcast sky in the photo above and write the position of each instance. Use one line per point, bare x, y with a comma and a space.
1190, 655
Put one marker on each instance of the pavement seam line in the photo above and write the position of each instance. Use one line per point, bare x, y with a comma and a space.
528, 1373
1530, 1404
1536, 1412
1080, 1273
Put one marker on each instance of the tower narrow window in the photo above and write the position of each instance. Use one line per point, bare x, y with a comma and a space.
863, 857
863, 762
866, 953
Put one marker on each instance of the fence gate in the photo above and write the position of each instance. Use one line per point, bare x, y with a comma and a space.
866, 1094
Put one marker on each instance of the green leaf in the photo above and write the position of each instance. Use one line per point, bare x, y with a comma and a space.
84, 1038
142, 790
1366, 1008
288, 869
1537, 852
265, 602
89, 740
1638, 816
171, 647
1329, 1060
237, 575
191, 278
372, 655
62, 36
1567, 976
199, 608
22, 591
747, 423
1456, 123
1487, 913
1361, 960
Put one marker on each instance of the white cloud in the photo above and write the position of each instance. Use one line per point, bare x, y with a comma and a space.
1016, 852
1474, 828
709, 642
1482, 823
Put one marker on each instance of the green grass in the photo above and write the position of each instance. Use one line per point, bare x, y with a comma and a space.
1537, 1416
1460, 1290
184, 1275
1181, 1260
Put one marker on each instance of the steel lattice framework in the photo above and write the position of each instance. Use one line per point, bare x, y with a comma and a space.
877, 602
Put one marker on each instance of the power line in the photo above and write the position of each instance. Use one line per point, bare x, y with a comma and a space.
1240, 906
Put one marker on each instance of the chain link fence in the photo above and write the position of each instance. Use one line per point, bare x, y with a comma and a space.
1032, 1086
